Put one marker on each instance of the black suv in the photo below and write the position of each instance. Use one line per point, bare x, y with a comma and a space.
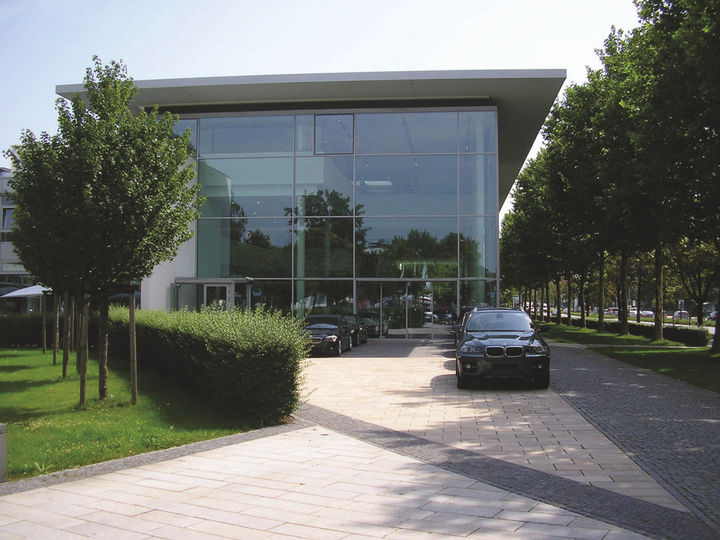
329, 334
501, 342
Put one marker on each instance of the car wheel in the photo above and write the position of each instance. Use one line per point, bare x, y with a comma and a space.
542, 382
350, 344
354, 340
338, 348
462, 381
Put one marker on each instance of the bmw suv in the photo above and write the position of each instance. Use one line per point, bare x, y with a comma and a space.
503, 343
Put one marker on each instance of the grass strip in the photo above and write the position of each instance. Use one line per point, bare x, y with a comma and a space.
47, 432
694, 365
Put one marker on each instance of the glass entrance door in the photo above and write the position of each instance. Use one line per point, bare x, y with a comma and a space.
216, 296
407, 309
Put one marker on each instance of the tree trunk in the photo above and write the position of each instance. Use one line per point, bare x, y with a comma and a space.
82, 352
44, 323
715, 348
133, 349
66, 333
659, 288
103, 348
558, 302
547, 296
622, 295
601, 293
535, 304
56, 327
583, 318
569, 300
637, 315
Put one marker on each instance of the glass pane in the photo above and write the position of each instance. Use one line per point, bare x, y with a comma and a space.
244, 136
407, 185
246, 187
406, 133
323, 186
241, 247
304, 134
323, 297
181, 126
271, 294
478, 293
407, 248
8, 218
478, 132
324, 247
478, 247
478, 185
333, 134
216, 296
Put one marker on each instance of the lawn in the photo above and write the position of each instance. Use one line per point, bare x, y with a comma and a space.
47, 432
694, 365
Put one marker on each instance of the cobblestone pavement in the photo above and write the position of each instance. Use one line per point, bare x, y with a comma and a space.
671, 428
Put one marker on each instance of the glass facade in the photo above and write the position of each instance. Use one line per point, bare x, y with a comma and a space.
387, 212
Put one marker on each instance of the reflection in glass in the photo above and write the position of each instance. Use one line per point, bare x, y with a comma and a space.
408, 248
406, 133
8, 218
245, 187
478, 247
304, 134
478, 292
333, 133
324, 247
478, 132
240, 247
184, 124
335, 296
244, 136
323, 186
405, 185
271, 294
478, 184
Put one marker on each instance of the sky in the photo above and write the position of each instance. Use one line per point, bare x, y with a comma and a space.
48, 42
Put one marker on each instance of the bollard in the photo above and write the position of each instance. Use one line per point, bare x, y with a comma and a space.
3, 454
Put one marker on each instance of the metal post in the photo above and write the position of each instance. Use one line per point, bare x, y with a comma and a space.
3, 454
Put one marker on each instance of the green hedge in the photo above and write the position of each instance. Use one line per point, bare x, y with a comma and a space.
248, 360
692, 336
24, 330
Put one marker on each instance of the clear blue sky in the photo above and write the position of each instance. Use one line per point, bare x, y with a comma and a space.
49, 42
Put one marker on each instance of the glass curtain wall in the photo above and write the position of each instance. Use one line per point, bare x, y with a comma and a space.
392, 212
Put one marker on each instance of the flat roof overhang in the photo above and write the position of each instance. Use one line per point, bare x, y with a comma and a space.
523, 98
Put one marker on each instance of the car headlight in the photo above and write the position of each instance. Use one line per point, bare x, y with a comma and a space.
332, 339
536, 348
471, 349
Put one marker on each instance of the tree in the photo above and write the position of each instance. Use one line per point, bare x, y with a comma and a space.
101, 203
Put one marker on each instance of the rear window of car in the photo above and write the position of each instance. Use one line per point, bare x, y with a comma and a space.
498, 321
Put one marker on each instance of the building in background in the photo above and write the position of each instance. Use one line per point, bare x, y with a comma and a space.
358, 192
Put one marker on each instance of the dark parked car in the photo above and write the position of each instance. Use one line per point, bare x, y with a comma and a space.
372, 321
358, 329
504, 343
329, 334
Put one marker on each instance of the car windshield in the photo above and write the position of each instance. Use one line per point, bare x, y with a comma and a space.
499, 321
319, 320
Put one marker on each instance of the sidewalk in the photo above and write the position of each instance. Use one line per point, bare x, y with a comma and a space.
393, 459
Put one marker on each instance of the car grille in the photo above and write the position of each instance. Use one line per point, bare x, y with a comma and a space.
316, 340
500, 352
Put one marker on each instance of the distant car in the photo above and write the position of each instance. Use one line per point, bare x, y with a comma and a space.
713, 315
681, 315
329, 334
613, 311
375, 328
647, 313
502, 343
358, 329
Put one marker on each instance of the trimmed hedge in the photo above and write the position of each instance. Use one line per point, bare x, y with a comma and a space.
692, 336
248, 360
24, 330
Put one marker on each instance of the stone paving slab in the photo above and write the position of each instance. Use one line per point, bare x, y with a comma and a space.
410, 387
304, 483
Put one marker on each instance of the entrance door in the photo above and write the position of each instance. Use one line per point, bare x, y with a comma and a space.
216, 296
408, 309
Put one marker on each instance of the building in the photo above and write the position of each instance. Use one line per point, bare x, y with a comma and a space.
12, 273
349, 192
